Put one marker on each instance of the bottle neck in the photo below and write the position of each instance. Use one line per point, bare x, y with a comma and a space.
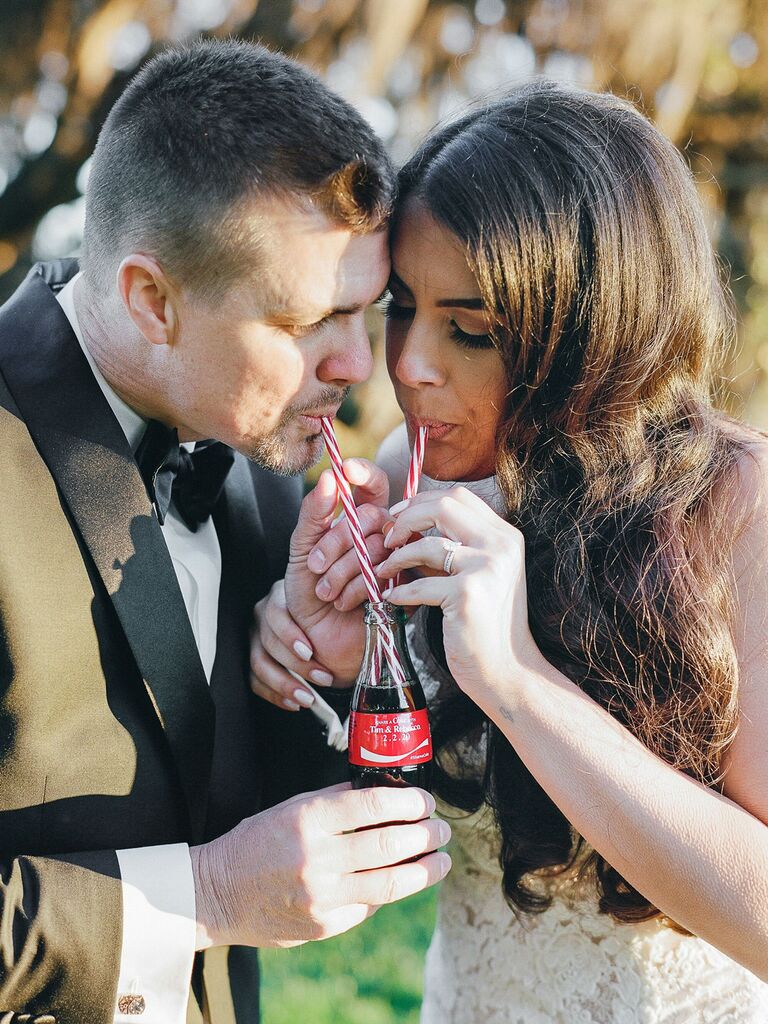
375, 668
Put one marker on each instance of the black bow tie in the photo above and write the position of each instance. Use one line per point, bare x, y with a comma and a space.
193, 480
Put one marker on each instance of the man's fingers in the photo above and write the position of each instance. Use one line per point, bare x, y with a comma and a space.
338, 542
352, 809
353, 595
340, 920
346, 568
382, 847
370, 482
387, 885
317, 510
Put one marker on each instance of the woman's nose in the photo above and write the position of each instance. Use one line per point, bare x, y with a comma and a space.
418, 362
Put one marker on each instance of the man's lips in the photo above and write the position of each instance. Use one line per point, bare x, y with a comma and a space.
313, 417
438, 429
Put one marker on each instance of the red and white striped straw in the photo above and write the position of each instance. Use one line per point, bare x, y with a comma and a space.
414, 471
417, 461
371, 582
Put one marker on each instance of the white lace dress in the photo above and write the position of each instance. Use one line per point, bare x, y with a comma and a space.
571, 964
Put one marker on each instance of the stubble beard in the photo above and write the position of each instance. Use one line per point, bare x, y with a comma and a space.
279, 453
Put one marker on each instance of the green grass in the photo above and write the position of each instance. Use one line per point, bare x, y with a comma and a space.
371, 975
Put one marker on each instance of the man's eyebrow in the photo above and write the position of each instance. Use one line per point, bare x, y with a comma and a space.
313, 316
474, 303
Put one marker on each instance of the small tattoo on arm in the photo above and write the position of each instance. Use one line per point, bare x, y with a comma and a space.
506, 713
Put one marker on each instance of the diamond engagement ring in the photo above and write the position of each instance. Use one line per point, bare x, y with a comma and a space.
453, 546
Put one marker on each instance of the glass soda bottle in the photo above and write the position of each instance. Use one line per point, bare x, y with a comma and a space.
390, 743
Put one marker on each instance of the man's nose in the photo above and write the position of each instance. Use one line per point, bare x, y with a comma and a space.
350, 360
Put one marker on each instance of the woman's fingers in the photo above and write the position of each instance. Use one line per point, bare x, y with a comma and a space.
312, 669
450, 514
284, 641
274, 683
432, 590
428, 552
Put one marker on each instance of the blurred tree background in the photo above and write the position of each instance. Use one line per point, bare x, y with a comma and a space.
697, 67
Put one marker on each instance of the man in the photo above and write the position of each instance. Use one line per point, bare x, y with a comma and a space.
235, 234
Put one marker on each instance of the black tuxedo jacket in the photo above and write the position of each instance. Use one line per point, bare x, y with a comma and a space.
110, 737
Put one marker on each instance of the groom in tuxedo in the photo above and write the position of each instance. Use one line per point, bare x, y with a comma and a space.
154, 400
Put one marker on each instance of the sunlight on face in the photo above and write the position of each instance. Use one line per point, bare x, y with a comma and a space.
280, 351
445, 372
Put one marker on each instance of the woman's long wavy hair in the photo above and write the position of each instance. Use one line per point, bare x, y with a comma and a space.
582, 225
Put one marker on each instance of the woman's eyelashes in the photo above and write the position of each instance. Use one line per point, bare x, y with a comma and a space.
394, 311
469, 340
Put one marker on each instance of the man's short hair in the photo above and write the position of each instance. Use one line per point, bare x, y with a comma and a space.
198, 135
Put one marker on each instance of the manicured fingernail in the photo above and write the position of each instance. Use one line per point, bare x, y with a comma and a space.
321, 678
316, 561
445, 832
304, 697
399, 507
303, 651
292, 705
445, 863
389, 534
323, 589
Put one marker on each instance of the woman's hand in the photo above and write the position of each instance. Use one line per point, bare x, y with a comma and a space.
281, 652
484, 600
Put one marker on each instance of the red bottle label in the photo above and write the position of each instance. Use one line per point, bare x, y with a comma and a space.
389, 741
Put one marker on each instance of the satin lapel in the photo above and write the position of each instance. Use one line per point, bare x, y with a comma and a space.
92, 464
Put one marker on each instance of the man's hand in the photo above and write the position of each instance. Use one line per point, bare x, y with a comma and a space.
302, 871
324, 605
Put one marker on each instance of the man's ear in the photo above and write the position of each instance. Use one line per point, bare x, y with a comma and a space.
148, 297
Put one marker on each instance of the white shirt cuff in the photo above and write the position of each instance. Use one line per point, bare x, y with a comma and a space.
159, 932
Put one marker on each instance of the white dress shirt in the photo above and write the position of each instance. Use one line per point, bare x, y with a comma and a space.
159, 926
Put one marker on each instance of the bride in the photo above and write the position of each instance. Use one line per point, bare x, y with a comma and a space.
595, 655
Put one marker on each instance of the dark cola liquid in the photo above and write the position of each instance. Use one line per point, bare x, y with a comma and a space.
383, 700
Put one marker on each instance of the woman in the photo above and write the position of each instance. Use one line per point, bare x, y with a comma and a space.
596, 648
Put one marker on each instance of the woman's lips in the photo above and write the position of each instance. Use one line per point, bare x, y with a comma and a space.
438, 429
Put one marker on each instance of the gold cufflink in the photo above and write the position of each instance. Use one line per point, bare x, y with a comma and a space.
131, 1005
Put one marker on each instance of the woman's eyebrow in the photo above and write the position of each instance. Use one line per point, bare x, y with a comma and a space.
462, 303
473, 303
